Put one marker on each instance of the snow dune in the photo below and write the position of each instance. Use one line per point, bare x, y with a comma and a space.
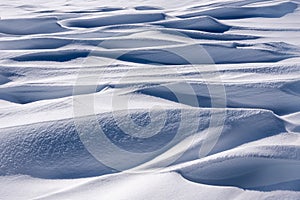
28, 26
202, 23
54, 150
113, 20
220, 53
166, 59
257, 165
35, 43
228, 12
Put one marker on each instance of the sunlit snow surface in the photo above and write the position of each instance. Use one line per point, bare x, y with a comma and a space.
212, 89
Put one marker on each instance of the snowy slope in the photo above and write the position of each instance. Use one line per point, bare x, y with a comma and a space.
149, 99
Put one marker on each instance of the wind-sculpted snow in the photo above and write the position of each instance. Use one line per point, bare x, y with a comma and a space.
114, 20
30, 26
149, 100
53, 149
258, 165
227, 12
202, 23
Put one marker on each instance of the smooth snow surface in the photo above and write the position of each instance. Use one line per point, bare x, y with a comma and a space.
57, 56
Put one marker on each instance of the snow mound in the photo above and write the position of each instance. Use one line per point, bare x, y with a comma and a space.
114, 20
260, 165
202, 23
124, 186
45, 149
28, 26
273, 11
35, 43
58, 56
251, 50
220, 54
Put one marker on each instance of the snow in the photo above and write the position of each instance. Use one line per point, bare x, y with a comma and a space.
149, 100
231, 12
28, 26
114, 20
202, 23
